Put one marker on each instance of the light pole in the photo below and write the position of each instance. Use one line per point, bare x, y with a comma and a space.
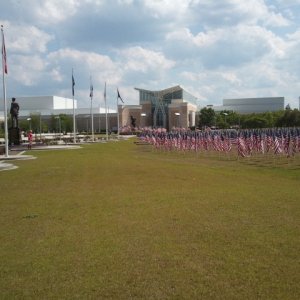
143, 115
177, 114
29, 120
59, 125
87, 125
40, 127
225, 114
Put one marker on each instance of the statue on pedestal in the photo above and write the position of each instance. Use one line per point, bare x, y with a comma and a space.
133, 122
14, 112
14, 135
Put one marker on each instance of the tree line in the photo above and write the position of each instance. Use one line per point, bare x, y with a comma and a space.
55, 123
207, 117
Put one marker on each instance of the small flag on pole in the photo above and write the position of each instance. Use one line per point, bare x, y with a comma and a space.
119, 96
91, 90
73, 84
4, 63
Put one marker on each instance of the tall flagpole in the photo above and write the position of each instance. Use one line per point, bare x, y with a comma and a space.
92, 117
106, 120
74, 121
118, 96
118, 114
4, 71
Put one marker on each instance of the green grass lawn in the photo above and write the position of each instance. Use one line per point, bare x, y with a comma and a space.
120, 221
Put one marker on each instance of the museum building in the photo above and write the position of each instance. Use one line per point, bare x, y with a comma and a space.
168, 108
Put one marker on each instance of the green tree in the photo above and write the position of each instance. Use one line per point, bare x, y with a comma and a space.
66, 123
33, 122
234, 118
289, 118
226, 119
269, 117
207, 117
1, 127
61, 122
255, 121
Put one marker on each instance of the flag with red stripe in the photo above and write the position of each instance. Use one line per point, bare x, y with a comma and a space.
4, 62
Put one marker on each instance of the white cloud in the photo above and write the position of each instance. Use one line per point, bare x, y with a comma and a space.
144, 60
170, 8
56, 74
26, 39
126, 2
53, 11
27, 70
215, 49
101, 67
232, 12
229, 46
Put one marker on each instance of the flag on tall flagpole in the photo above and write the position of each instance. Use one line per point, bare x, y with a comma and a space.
74, 120
91, 96
73, 84
118, 117
119, 96
4, 71
91, 88
106, 119
4, 62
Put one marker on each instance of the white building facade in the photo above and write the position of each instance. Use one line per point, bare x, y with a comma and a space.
252, 105
52, 106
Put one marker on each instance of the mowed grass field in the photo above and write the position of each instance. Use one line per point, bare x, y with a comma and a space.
121, 221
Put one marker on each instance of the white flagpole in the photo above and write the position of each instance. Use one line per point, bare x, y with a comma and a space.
74, 121
99, 121
92, 117
118, 115
4, 93
106, 120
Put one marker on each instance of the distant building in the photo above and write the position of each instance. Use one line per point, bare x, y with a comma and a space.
51, 106
45, 105
252, 105
168, 108
171, 107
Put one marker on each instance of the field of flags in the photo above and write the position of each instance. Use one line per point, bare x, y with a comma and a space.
242, 143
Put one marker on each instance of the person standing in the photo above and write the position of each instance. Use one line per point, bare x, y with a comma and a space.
30, 137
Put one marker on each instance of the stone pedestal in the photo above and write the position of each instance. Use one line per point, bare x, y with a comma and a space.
14, 136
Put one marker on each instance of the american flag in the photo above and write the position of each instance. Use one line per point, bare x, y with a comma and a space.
246, 142
119, 96
241, 147
91, 89
277, 147
73, 84
269, 142
261, 143
4, 62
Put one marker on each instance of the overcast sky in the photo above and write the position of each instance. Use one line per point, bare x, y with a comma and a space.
214, 49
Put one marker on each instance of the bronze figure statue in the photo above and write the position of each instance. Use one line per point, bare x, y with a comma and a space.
14, 112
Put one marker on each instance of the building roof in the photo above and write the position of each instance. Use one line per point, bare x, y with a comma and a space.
164, 91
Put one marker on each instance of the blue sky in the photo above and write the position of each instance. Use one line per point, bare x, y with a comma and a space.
214, 49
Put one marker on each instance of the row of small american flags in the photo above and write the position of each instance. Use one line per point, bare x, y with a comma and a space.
245, 143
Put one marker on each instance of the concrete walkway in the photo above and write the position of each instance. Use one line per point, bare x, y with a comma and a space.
6, 167
17, 153
5, 162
